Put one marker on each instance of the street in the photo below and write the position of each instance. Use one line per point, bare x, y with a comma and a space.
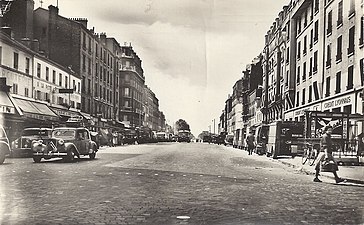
171, 183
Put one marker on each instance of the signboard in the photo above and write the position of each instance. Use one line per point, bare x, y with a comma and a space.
338, 102
65, 91
302, 111
7, 109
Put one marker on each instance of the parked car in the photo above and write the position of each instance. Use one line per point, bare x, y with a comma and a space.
229, 139
66, 143
4, 145
22, 146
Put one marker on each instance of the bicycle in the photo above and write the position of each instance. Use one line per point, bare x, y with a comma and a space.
309, 154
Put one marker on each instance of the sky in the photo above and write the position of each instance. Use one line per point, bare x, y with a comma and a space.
192, 51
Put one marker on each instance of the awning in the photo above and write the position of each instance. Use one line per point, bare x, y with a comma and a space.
6, 106
65, 112
86, 116
35, 110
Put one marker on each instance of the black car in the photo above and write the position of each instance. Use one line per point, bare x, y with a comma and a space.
22, 145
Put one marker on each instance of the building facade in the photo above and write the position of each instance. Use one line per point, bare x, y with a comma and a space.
132, 82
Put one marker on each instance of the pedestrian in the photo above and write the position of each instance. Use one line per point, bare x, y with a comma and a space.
325, 157
250, 141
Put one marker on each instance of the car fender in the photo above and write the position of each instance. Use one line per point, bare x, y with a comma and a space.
94, 146
69, 146
5, 147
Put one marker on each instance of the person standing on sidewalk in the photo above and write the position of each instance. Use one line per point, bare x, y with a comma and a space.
325, 156
250, 141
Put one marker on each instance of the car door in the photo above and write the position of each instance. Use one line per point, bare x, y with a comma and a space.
87, 142
79, 141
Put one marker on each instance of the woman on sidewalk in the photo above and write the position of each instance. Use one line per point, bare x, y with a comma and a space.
325, 156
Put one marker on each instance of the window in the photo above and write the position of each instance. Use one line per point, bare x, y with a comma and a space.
339, 48
89, 86
54, 77
97, 70
16, 60
329, 23
66, 82
89, 44
303, 96
287, 56
47, 74
79, 86
298, 74
350, 77
328, 56
15, 88
347, 109
126, 92
74, 85
315, 90
310, 73
26, 92
298, 25
311, 39
1, 54
299, 50
97, 50
89, 66
312, 9
338, 82
39, 68
327, 86
304, 71
310, 94
316, 5
316, 32
287, 77
305, 20
351, 40
60, 80
361, 39
304, 45
340, 14
84, 40
83, 62
315, 62
27, 65
352, 7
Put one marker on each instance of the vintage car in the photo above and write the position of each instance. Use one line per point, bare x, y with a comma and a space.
4, 145
66, 143
22, 146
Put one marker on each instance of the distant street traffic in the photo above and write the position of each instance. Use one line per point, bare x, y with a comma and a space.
171, 183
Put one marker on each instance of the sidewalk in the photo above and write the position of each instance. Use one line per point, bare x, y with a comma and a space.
354, 174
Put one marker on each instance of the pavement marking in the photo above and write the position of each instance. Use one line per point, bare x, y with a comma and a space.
94, 172
110, 173
156, 174
127, 173
139, 174
219, 176
172, 175
183, 217
43, 171
27, 171
201, 175
13, 171
184, 175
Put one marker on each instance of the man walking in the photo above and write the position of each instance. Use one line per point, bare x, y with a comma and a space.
325, 156
250, 141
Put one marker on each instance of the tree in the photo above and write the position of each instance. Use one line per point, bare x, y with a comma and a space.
181, 124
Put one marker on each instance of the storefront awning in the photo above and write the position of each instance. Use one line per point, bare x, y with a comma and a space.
65, 112
35, 110
86, 116
6, 106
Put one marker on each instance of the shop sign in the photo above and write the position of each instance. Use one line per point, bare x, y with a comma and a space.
7, 109
345, 128
39, 116
346, 100
301, 112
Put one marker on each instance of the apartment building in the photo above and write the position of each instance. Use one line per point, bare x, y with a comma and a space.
132, 84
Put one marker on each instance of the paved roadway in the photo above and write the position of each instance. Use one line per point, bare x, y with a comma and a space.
157, 183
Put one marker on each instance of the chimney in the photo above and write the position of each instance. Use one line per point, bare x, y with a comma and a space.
103, 38
26, 42
53, 10
8, 31
35, 45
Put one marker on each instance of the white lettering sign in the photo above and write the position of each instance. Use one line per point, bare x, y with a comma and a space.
337, 102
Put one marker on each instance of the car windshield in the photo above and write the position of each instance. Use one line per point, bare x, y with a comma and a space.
33, 132
64, 134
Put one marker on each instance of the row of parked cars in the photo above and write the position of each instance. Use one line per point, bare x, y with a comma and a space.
46, 143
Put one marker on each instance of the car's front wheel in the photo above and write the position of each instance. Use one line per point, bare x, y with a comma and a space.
37, 159
70, 156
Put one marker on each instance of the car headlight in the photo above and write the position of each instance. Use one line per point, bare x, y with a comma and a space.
61, 142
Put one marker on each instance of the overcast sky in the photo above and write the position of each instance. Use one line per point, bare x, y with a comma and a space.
193, 51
